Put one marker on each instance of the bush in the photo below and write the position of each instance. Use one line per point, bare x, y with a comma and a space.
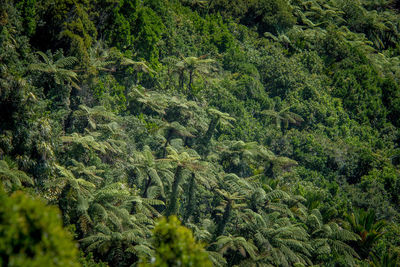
175, 246
31, 234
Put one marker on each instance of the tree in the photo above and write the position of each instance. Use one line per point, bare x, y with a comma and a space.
387, 259
78, 31
115, 246
175, 246
175, 129
283, 117
225, 244
31, 234
56, 68
194, 66
183, 161
217, 118
227, 205
190, 196
201, 179
87, 142
11, 177
28, 10
331, 238
99, 59
238, 156
368, 228
283, 243
90, 173
94, 116
152, 175
70, 192
119, 223
155, 101
135, 68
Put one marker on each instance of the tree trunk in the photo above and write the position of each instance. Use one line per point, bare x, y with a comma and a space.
169, 136
224, 221
181, 78
190, 205
190, 84
173, 200
146, 187
210, 131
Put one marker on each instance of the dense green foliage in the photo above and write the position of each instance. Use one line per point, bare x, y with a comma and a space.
31, 234
174, 245
269, 128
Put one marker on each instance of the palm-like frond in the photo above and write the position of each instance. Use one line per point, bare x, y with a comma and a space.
183, 159
79, 185
13, 177
283, 116
95, 115
90, 172
139, 66
387, 259
224, 118
57, 68
217, 258
88, 142
239, 244
368, 228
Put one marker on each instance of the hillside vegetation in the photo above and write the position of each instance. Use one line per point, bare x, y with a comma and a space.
200, 133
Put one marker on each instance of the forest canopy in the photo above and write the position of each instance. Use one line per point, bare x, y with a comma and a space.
199, 133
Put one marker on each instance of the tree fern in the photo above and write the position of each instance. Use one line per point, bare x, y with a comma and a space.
239, 244
11, 177
57, 68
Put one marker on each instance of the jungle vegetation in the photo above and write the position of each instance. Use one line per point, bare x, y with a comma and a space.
199, 133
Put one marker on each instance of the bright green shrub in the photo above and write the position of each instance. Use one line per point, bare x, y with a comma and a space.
175, 246
31, 234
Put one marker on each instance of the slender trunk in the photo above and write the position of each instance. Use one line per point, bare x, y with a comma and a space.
284, 130
190, 205
186, 141
269, 170
190, 83
224, 221
64, 204
173, 200
71, 101
210, 131
205, 141
126, 92
166, 144
68, 121
181, 78
146, 187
